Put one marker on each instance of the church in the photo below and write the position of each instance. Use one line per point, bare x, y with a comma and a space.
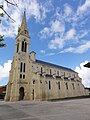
32, 79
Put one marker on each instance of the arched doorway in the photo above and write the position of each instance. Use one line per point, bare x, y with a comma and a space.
21, 93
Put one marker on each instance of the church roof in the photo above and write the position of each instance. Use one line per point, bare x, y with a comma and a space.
54, 65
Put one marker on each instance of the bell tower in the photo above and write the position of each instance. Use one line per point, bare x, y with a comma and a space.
23, 38
18, 77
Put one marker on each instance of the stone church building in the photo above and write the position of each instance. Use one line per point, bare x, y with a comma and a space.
32, 79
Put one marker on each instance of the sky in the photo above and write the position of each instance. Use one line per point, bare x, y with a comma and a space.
59, 33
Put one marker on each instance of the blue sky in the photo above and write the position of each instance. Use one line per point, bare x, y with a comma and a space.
59, 31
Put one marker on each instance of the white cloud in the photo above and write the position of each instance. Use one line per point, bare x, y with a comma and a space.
67, 28
57, 26
70, 49
80, 49
84, 8
56, 30
44, 33
42, 51
84, 73
36, 9
8, 28
82, 34
56, 43
67, 10
83, 48
63, 39
71, 34
4, 70
82, 13
50, 54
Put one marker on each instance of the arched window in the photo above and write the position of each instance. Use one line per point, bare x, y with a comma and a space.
24, 46
59, 85
23, 76
66, 86
73, 86
41, 71
21, 66
17, 47
25, 50
50, 71
49, 85
24, 67
33, 81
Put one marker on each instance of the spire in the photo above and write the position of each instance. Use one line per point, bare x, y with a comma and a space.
23, 28
23, 25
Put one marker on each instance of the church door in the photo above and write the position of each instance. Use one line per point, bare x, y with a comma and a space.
21, 93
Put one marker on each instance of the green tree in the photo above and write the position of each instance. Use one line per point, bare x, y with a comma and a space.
1, 41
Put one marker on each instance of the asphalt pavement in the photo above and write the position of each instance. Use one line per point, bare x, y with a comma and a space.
77, 109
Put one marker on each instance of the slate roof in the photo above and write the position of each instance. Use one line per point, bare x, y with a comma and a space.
54, 65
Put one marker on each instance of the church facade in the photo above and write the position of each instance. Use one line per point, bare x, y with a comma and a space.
32, 79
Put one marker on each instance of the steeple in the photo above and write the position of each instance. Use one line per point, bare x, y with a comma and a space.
23, 28
23, 24
23, 38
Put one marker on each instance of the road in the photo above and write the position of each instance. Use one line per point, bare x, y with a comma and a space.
77, 109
